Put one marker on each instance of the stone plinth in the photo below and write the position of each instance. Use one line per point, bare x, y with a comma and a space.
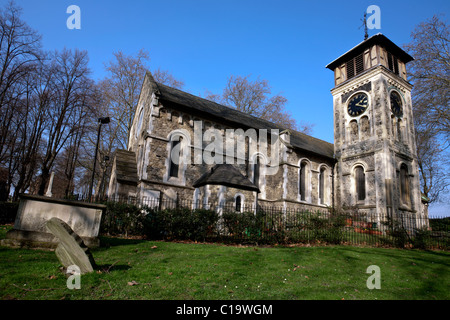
34, 211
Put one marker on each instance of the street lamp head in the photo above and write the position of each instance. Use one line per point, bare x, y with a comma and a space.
104, 120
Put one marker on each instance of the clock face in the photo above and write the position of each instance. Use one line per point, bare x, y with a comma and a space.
357, 104
396, 104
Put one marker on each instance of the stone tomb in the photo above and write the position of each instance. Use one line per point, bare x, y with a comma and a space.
34, 211
70, 250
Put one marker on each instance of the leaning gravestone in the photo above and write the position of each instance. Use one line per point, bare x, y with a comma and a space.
71, 249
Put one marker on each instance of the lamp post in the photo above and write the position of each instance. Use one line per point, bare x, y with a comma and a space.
101, 121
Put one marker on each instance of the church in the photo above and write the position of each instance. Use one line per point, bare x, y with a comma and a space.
176, 147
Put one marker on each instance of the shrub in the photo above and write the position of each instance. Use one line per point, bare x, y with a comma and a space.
335, 233
327, 229
252, 227
8, 212
180, 224
422, 239
122, 219
442, 224
397, 231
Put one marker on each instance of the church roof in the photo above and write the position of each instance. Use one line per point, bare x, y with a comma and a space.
225, 175
205, 108
375, 39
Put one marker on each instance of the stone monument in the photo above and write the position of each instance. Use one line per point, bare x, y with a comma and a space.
34, 211
50, 185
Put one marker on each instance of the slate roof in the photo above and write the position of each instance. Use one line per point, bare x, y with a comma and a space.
205, 108
225, 175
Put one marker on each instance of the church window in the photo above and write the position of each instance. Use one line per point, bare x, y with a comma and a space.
140, 120
256, 172
404, 185
396, 126
354, 135
365, 127
322, 185
302, 180
238, 203
360, 179
175, 156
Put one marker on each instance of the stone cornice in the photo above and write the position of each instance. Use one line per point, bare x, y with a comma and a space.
366, 77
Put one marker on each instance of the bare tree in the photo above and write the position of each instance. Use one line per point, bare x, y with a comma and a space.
19, 52
120, 91
164, 77
121, 88
433, 165
32, 121
430, 75
71, 85
254, 97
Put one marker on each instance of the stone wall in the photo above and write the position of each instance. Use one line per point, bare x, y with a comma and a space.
378, 141
151, 141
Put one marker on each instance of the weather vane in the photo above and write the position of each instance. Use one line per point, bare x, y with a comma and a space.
366, 34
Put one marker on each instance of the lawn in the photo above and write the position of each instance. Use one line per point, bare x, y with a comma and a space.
134, 269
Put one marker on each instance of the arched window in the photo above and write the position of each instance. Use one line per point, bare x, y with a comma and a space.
175, 156
360, 183
178, 158
322, 185
364, 127
354, 131
238, 203
302, 180
404, 185
140, 120
256, 172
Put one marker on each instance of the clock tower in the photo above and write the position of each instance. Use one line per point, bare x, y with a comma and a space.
374, 140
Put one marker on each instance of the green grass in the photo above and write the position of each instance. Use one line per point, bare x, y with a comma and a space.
166, 270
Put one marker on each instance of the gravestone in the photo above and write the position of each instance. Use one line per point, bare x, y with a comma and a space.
71, 249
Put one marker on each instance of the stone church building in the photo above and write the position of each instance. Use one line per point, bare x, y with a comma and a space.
372, 164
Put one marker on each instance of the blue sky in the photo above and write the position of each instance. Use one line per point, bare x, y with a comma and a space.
203, 42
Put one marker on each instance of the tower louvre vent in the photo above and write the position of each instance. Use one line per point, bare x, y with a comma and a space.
359, 64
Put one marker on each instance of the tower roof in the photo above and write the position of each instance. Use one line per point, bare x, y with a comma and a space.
379, 39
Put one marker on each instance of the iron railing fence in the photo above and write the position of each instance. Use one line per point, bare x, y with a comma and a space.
262, 223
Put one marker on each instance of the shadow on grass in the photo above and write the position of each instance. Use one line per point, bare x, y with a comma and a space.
106, 242
112, 267
430, 268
